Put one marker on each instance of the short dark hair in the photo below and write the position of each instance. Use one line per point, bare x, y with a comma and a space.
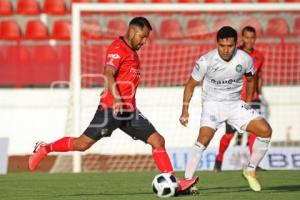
248, 29
227, 32
140, 22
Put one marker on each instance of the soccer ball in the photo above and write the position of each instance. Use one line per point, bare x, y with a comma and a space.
164, 185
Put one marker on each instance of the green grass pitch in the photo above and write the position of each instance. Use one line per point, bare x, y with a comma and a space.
281, 185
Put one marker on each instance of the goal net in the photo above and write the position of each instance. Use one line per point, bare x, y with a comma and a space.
181, 34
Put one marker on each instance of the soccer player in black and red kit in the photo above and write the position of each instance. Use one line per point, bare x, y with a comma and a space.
117, 108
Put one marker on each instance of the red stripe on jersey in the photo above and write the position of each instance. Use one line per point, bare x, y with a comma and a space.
127, 64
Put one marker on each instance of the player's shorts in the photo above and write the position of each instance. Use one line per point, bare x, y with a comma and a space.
256, 105
236, 113
132, 123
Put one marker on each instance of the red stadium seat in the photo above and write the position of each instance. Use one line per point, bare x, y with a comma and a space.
62, 30
267, 1
91, 29
277, 27
36, 30
133, 1
107, 1
241, 1
28, 7
171, 29
54, 7
297, 26
6, 8
254, 23
292, 1
197, 28
81, 1
214, 1
219, 23
160, 1
187, 1
115, 28
10, 30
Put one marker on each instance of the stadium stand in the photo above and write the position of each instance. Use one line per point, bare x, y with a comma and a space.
36, 30
277, 27
241, 1
28, 7
187, 1
61, 30
133, 1
296, 31
6, 8
266, 1
55, 7
213, 1
91, 29
115, 28
160, 1
170, 29
10, 30
196, 29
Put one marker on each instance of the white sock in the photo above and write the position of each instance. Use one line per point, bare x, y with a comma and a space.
259, 150
195, 157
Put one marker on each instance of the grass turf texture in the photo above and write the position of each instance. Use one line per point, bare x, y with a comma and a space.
281, 185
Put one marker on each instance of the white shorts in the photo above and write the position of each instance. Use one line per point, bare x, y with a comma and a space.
237, 113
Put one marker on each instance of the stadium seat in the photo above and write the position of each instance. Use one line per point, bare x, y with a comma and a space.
36, 30
292, 1
108, 1
10, 30
81, 1
277, 27
6, 8
54, 7
214, 1
62, 30
241, 1
267, 1
170, 29
115, 28
220, 22
255, 23
28, 7
160, 1
133, 1
196, 28
91, 29
187, 1
297, 26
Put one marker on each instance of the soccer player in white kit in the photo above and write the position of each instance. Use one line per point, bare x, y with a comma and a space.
221, 71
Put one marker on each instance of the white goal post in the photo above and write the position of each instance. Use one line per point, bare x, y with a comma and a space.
75, 86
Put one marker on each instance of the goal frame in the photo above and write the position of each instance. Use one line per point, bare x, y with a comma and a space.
77, 8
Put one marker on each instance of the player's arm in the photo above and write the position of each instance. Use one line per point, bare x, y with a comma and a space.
187, 96
250, 87
111, 86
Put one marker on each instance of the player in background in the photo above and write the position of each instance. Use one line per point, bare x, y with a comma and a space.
117, 107
222, 71
248, 42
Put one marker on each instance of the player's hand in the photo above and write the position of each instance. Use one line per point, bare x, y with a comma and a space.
184, 118
118, 107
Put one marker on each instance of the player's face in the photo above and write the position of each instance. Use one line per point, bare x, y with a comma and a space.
248, 39
139, 37
226, 47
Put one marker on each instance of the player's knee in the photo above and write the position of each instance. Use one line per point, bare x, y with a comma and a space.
81, 146
156, 140
266, 131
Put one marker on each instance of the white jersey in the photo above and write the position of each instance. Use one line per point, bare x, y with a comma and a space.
222, 80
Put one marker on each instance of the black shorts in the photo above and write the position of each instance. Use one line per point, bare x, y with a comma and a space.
132, 123
256, 105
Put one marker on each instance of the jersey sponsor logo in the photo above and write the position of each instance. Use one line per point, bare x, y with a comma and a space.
135, 72
228, 81
238, 68
112, 57
213, 118
197, 67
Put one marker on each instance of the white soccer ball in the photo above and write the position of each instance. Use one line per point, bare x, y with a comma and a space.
164, 185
